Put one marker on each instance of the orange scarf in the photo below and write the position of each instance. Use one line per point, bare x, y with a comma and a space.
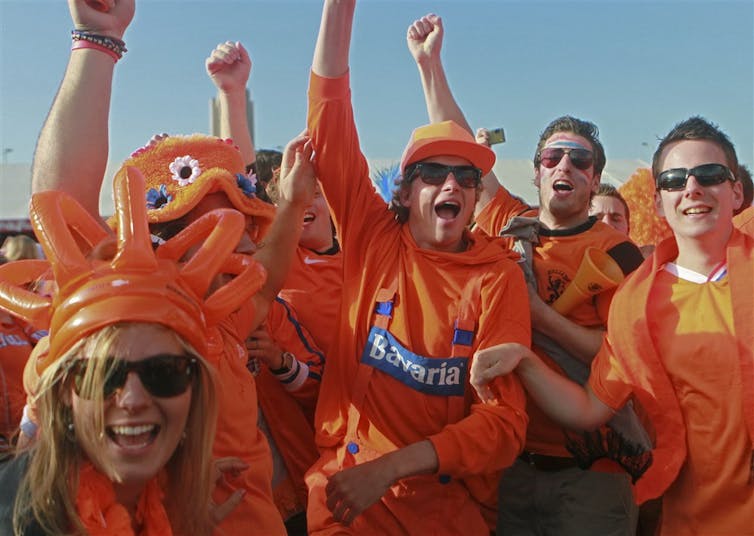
101, 515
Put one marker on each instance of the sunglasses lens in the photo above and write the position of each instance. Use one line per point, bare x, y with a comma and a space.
672, 179
710, 174
580, 158
167, 375
433, 174
551, 157
468, 176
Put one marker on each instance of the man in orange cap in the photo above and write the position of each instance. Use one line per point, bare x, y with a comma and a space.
567, 167
405, 447
679, 341
186, 177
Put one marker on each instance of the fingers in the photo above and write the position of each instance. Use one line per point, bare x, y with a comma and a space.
230, 466
421, 28
483, 136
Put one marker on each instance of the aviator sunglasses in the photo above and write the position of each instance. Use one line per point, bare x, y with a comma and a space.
435, 174
580, 158
706, 175
162, 375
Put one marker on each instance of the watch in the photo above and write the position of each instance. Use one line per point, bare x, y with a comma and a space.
286, 364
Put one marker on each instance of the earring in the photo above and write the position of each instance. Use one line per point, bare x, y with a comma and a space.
70, 433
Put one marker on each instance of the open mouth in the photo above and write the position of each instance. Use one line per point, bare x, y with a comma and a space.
696, 210
133, 437
447, 210
309, 217
562, 186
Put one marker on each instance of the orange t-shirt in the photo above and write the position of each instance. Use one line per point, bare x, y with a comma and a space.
313, 288
675, 344
556, 262
237, 431
16, 343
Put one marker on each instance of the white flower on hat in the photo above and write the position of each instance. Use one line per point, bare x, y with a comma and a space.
185, 170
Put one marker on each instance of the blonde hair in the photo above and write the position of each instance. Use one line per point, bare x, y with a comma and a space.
20, 247
47, 492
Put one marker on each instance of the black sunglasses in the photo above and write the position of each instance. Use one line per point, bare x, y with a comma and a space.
162, 375
580, 158
706, 175
435, 174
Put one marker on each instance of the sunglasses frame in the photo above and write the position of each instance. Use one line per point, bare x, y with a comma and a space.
579, 162
415, 170
703, 180
159, 387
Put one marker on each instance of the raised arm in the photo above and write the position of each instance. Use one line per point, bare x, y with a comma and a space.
72, 149
297, 186
334, 39
424, 40
229, 66
565, 401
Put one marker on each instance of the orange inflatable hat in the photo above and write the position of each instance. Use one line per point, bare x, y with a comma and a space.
138, 283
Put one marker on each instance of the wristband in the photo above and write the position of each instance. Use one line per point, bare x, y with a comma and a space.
116, 46
81, 44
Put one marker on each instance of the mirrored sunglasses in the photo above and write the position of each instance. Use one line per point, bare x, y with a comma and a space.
162, 375
580, 158
435, 174
706, 175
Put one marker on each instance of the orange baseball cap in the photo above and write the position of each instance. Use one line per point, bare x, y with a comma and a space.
181, 170
446, 139
137, 283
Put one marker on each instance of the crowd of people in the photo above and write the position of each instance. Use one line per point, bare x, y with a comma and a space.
256, 343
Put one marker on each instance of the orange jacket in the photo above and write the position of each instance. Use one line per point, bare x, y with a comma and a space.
628, 362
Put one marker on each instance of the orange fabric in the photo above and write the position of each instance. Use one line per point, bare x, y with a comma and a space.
16, 343
701, 400
103, 516
556, 261
376, 251
313, 288
745, 221
237, 431
290, 414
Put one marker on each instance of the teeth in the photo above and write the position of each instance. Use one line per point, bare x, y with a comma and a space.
697, 210
132, 430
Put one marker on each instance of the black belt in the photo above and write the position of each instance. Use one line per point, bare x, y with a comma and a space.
547, 463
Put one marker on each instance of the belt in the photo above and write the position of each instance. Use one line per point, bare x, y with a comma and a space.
547, 463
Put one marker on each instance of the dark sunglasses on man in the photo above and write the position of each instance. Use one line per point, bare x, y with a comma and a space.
435, 174
705, 175
162, 375
580, 158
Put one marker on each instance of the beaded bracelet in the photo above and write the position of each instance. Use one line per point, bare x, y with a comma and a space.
116, 46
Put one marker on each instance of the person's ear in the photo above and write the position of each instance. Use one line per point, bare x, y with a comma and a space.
404, 197
658, 204
537, 177
738, 195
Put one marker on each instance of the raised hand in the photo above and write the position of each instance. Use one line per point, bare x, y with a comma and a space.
483, 136
102, 17
229, 66
224, 467
297, 178
424, 38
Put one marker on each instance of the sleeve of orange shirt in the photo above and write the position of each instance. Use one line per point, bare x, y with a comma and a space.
291, 336
492, 435
499, 211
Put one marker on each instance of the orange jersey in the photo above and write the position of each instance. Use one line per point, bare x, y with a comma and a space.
399, 376
313, 288
16, 342
556, 261
288, 401
238, 434
685, 351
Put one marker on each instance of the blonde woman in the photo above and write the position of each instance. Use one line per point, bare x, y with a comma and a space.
125, 400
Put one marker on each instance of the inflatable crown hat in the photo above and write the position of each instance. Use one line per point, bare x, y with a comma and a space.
137, 284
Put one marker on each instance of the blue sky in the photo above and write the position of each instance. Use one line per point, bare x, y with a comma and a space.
633, 67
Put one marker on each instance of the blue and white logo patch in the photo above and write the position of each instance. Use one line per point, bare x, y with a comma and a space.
435, 376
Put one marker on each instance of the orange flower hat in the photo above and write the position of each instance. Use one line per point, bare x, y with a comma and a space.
181, 170
138, 283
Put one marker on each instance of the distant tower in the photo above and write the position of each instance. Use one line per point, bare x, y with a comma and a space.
214, 116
